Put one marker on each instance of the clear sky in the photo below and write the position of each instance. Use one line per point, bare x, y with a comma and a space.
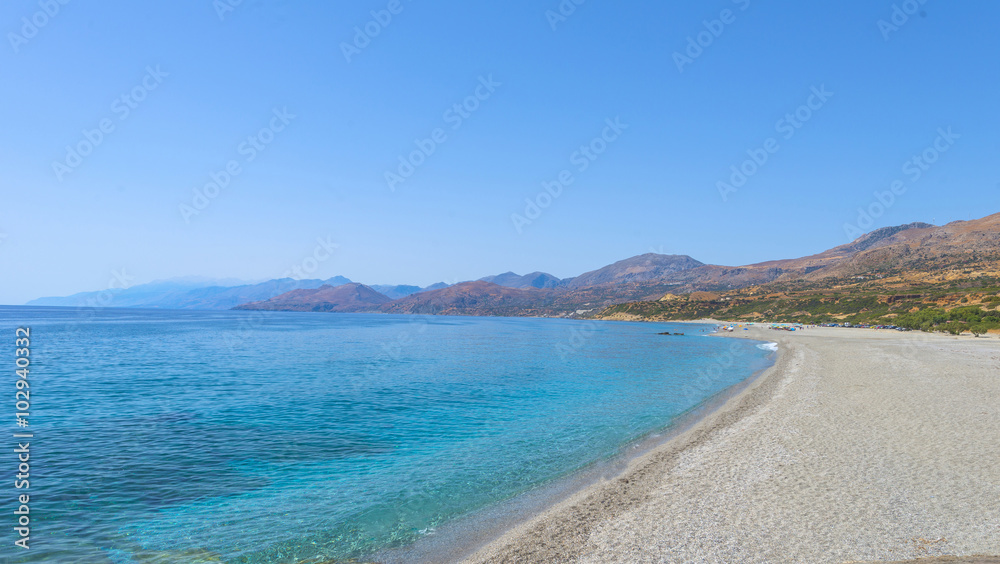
181, 86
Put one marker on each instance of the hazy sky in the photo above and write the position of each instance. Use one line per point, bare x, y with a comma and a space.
309, 115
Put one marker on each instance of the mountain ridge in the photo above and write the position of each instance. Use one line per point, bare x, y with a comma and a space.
909, 252
351, 297
168, 294
915, 275
531, 280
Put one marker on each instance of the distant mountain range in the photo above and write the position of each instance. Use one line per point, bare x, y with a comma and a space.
532, 280
184, 294
477, 298
507, 294
346, 297
918, 249
396, 292
198, 293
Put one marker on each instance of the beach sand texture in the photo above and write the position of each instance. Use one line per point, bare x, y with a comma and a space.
856, 446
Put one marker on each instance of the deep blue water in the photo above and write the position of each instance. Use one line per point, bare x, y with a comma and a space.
178, 436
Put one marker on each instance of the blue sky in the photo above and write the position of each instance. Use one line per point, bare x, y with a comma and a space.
207, 83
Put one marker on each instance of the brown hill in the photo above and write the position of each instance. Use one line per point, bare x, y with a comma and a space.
475, 298
349, 297
910, 274
901, 256
647, 268
914, 250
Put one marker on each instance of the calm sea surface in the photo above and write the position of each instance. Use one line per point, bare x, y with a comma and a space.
183, 437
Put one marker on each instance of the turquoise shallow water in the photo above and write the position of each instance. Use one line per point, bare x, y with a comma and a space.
169, 436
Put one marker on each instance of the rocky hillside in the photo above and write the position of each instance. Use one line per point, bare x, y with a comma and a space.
919, 275
346, 298
475, 298
647, 268
892, 259
530, 280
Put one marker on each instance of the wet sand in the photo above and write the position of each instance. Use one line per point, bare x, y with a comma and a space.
856, 446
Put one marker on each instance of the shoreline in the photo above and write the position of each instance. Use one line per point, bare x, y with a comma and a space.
689, 430
647, 513
459, 540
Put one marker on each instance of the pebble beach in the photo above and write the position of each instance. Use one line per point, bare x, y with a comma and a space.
856, 446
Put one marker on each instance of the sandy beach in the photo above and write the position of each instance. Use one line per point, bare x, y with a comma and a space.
856, 446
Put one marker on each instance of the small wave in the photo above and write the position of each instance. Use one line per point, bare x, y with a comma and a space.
768, 346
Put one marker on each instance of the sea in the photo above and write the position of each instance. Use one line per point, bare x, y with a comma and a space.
252, 437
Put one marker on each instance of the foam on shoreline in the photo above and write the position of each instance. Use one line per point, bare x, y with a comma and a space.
463, 538
852, 447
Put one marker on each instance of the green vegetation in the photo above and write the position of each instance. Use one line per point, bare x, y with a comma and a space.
954, 321
972, 308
